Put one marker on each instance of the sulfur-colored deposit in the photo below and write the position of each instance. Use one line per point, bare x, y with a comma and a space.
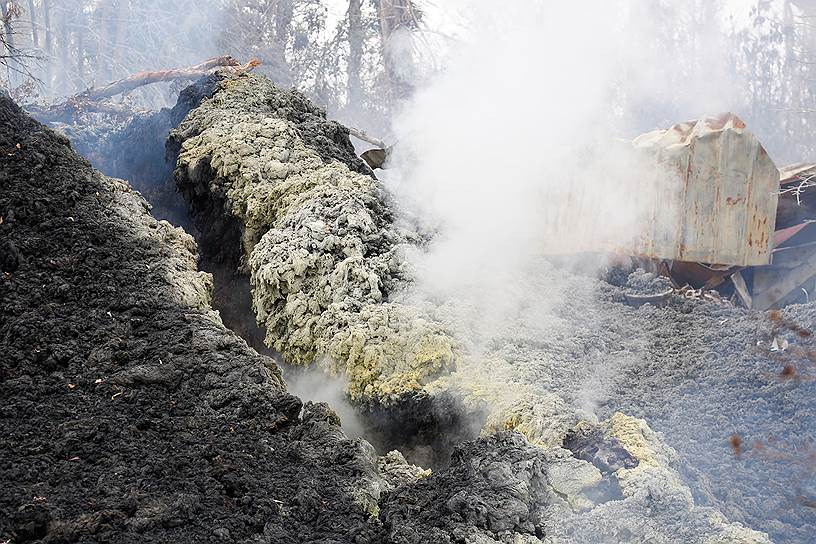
316, 237
329, 276
406, 272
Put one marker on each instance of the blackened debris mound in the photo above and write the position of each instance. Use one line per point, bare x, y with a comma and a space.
130, 144
495, 487
606, 453
138, 152
129, 413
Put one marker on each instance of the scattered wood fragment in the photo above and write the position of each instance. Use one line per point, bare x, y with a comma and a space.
119, 391
376, 157
708, 295
742, 290
362, 135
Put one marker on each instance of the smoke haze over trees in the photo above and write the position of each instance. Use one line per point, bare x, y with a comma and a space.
360, 59
332, 51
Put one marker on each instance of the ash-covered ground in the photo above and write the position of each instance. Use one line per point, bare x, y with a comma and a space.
282, 206
130, 414
332, 276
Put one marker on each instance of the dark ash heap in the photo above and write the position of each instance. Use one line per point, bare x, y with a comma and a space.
284, 208
131, 414
131, 144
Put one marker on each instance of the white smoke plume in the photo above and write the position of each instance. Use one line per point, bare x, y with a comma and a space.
519, 148
527, 117
312, 384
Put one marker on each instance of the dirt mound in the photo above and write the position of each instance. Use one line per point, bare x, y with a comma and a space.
496, 486
132, 145
505, 489
130, 413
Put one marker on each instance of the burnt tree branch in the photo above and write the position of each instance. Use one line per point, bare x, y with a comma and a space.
134, 81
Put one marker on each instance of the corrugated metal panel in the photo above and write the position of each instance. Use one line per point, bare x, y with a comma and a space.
722, 189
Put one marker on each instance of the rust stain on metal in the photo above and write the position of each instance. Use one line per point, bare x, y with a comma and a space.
727, 199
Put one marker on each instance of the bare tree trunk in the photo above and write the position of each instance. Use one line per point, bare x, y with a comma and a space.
103, 53
146, 77
355, 28
63, 43
283, 21
394, 16
119, 34
790, 70
49, 83
95, 99
80, 56
6, 12
283, 28
9, 39
32, 17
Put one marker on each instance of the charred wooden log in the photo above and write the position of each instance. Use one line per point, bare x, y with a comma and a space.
96, 100
134, 81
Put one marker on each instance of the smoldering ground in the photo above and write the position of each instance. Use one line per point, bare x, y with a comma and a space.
491, 155
491, 149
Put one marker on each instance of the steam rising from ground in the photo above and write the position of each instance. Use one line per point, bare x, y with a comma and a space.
515, 151
312, 384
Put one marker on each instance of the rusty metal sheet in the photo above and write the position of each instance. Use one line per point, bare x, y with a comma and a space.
776, 286
721, 188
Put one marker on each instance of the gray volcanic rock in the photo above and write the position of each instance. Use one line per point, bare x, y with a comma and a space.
331, 285
571, 352
502, 489
495, 488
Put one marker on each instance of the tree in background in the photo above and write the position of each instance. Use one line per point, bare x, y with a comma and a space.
759, 62
399, 19
774, 57
357, 64
361, 59
16, 59
259, 29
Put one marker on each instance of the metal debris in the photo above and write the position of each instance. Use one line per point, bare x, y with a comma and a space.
709, 295
724, 187
745, 229
790, 277
779, 345
657, 299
